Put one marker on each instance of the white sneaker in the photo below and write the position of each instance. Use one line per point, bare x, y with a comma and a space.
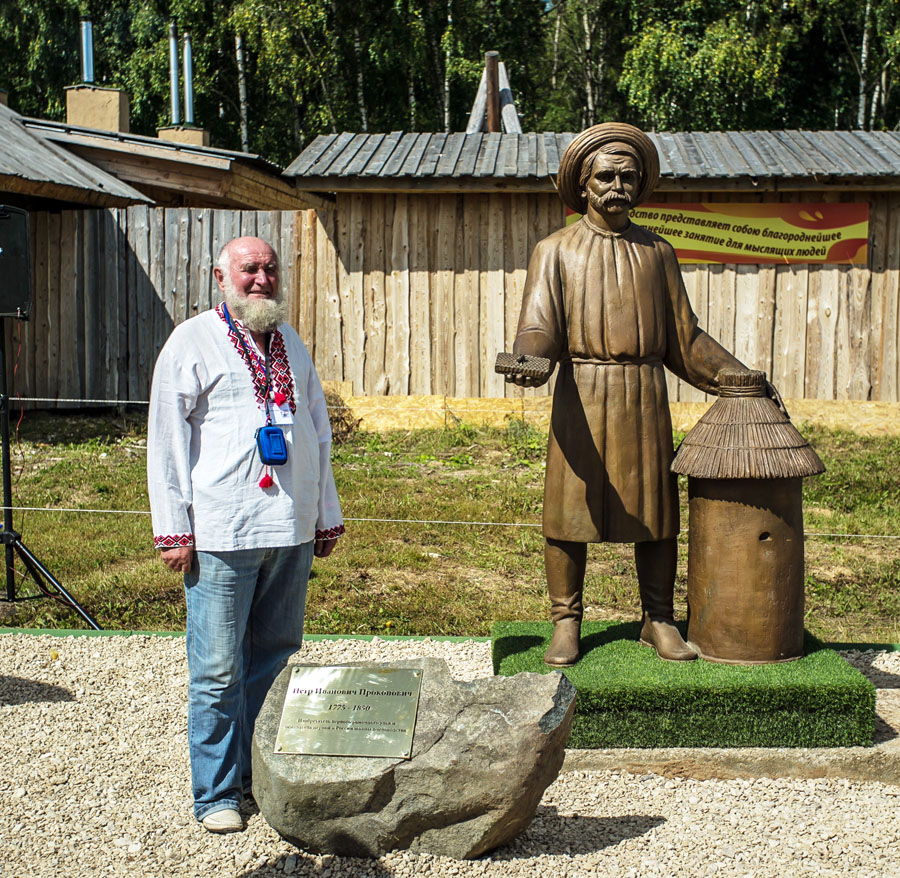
226, 820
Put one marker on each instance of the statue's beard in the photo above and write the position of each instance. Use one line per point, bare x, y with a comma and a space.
258, 315
610, 199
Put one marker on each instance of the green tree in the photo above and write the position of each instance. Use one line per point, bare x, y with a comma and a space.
865, 40
719, 67
39, 54
314, 66
584, 49
763, 64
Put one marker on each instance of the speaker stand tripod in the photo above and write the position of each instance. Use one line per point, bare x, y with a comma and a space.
48, 584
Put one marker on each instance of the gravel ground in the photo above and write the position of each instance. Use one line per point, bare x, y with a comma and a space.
95, 781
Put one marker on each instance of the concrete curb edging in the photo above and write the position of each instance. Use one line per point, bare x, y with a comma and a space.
879, 763
125, 632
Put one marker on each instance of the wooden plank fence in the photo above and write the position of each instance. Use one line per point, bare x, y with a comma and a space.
110, 285
419, 293
405, 294
422, 291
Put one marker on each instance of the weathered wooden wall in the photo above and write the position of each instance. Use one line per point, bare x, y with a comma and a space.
109, 286
416, 294
402, 294
818, 331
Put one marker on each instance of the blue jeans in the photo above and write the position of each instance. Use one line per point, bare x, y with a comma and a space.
244, 619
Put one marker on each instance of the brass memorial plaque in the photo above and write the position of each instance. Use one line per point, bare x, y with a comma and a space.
343, 711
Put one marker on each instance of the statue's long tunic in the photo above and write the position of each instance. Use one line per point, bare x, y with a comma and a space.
612, 310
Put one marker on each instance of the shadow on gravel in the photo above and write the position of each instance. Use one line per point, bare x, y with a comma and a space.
304, 865
881, 679
16, 690
884, 731
549, 834
552, 834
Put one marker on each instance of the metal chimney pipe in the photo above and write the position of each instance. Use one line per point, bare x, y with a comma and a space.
87, 51
188, 81
173, 74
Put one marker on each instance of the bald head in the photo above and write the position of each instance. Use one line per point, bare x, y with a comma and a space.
247, 273
237, 246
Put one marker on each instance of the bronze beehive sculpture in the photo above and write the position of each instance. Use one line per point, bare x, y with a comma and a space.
745, 461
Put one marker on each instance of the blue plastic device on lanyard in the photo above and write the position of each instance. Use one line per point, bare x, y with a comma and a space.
269, 439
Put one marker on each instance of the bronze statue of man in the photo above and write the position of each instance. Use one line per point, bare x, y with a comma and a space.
605, 300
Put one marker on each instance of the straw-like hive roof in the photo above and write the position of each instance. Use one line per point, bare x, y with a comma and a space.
744, 435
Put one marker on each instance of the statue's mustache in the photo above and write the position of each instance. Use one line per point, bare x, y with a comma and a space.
610, 198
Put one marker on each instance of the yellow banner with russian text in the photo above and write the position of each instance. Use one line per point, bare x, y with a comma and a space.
770, 233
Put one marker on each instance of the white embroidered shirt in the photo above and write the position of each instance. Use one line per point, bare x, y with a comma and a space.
203, 467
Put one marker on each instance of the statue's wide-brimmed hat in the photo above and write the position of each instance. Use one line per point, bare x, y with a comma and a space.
584, 145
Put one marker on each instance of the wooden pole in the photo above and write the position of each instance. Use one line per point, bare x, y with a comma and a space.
476, 117
507, 105
492, 80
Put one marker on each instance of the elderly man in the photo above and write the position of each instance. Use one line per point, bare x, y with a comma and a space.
604, 299
242, 531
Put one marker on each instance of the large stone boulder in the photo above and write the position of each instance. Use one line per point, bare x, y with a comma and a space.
483, 754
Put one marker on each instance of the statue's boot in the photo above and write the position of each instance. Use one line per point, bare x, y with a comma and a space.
565, 564
656, 562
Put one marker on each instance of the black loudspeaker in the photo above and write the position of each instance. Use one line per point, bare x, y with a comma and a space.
15, 263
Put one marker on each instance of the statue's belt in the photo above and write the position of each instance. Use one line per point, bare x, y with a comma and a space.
631, 361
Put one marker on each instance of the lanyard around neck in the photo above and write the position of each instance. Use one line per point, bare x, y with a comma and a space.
249, 355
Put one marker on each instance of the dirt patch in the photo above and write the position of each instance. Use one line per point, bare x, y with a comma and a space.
834, 559
406, 412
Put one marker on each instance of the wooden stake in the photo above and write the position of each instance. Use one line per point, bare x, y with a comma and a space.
492, 81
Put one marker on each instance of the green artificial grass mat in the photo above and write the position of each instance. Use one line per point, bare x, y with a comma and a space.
627, 697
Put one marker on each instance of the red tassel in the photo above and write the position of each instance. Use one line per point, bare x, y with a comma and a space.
266, 481
280, 398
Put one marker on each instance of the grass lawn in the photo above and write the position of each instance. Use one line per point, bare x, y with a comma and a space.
405, 577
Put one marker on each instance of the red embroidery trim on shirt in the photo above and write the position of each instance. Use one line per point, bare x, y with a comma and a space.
280, 367
171, 541
331, 534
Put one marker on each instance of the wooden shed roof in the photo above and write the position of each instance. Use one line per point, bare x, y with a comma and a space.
180, 173
699, 160
32, 166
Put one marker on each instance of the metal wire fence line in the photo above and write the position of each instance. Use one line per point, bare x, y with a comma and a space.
370, 407
388, 404
425, 521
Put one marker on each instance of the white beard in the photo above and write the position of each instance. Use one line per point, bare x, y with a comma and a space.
258, 315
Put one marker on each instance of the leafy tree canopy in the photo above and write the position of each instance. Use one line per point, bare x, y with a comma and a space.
313, 66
